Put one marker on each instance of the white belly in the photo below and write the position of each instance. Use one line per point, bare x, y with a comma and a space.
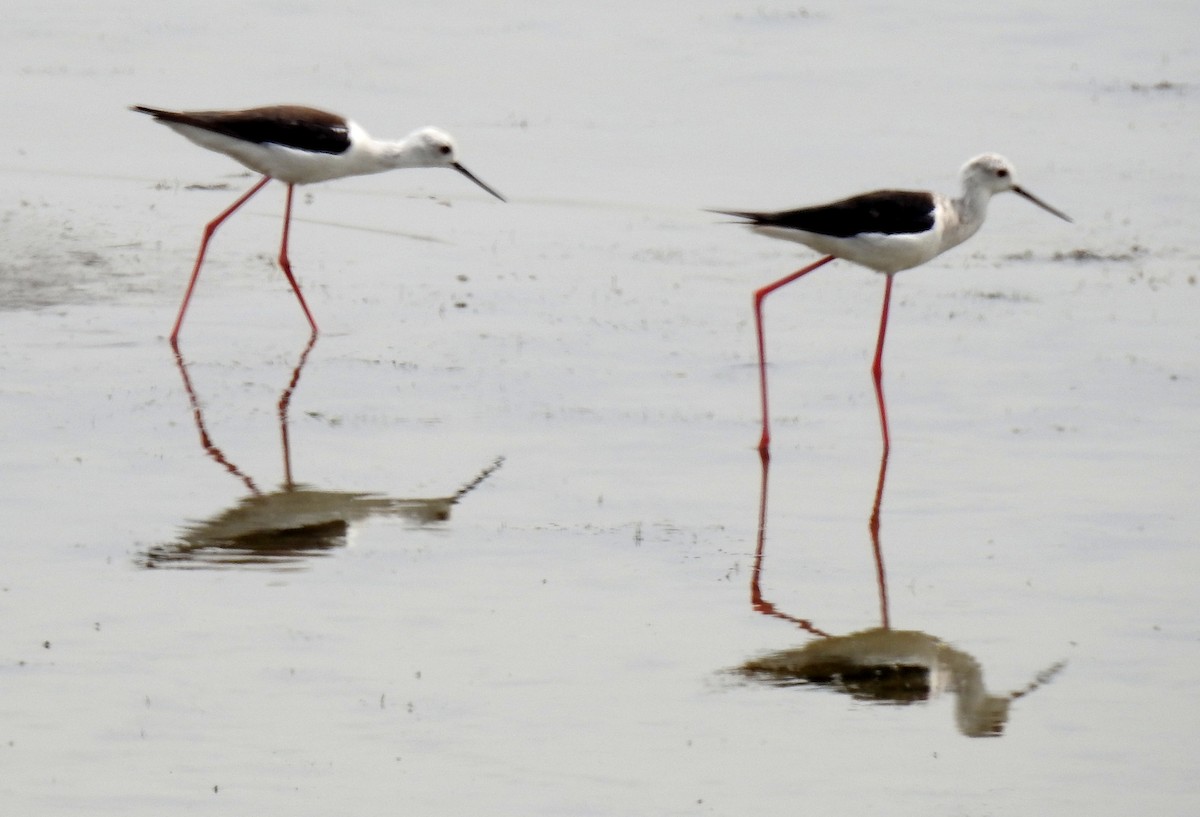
283, 163
878, 251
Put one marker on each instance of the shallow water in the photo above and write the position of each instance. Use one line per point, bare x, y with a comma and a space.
501, 553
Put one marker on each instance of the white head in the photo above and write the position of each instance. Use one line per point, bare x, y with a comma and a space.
991, 174
430, 147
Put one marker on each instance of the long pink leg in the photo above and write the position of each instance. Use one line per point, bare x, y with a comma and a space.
286, 265
209, 229
765, 441
877, 368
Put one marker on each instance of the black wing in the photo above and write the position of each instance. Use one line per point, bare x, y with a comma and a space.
292, 126
891, 212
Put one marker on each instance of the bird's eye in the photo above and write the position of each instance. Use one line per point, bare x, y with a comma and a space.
1002, 172
444, 149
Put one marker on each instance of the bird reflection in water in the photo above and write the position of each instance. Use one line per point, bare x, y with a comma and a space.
281, 529
881, 664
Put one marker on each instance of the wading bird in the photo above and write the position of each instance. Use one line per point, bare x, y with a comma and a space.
887, 231
299, 145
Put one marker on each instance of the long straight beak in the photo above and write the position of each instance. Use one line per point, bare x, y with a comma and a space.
1020, 191
471, 176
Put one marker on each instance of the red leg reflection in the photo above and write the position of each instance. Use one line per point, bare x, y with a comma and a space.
285, 400
761, 605
880, 574
757, 601
198, 417
213, 451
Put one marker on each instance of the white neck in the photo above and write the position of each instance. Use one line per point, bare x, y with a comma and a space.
406, 152
370, 155
965, 215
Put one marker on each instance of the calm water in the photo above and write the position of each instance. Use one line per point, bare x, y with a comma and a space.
502, 551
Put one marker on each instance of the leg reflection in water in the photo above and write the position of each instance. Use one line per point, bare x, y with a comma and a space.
284, 528
878, 664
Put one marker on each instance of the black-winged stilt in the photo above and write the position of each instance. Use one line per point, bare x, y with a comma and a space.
887, 231
299, 145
